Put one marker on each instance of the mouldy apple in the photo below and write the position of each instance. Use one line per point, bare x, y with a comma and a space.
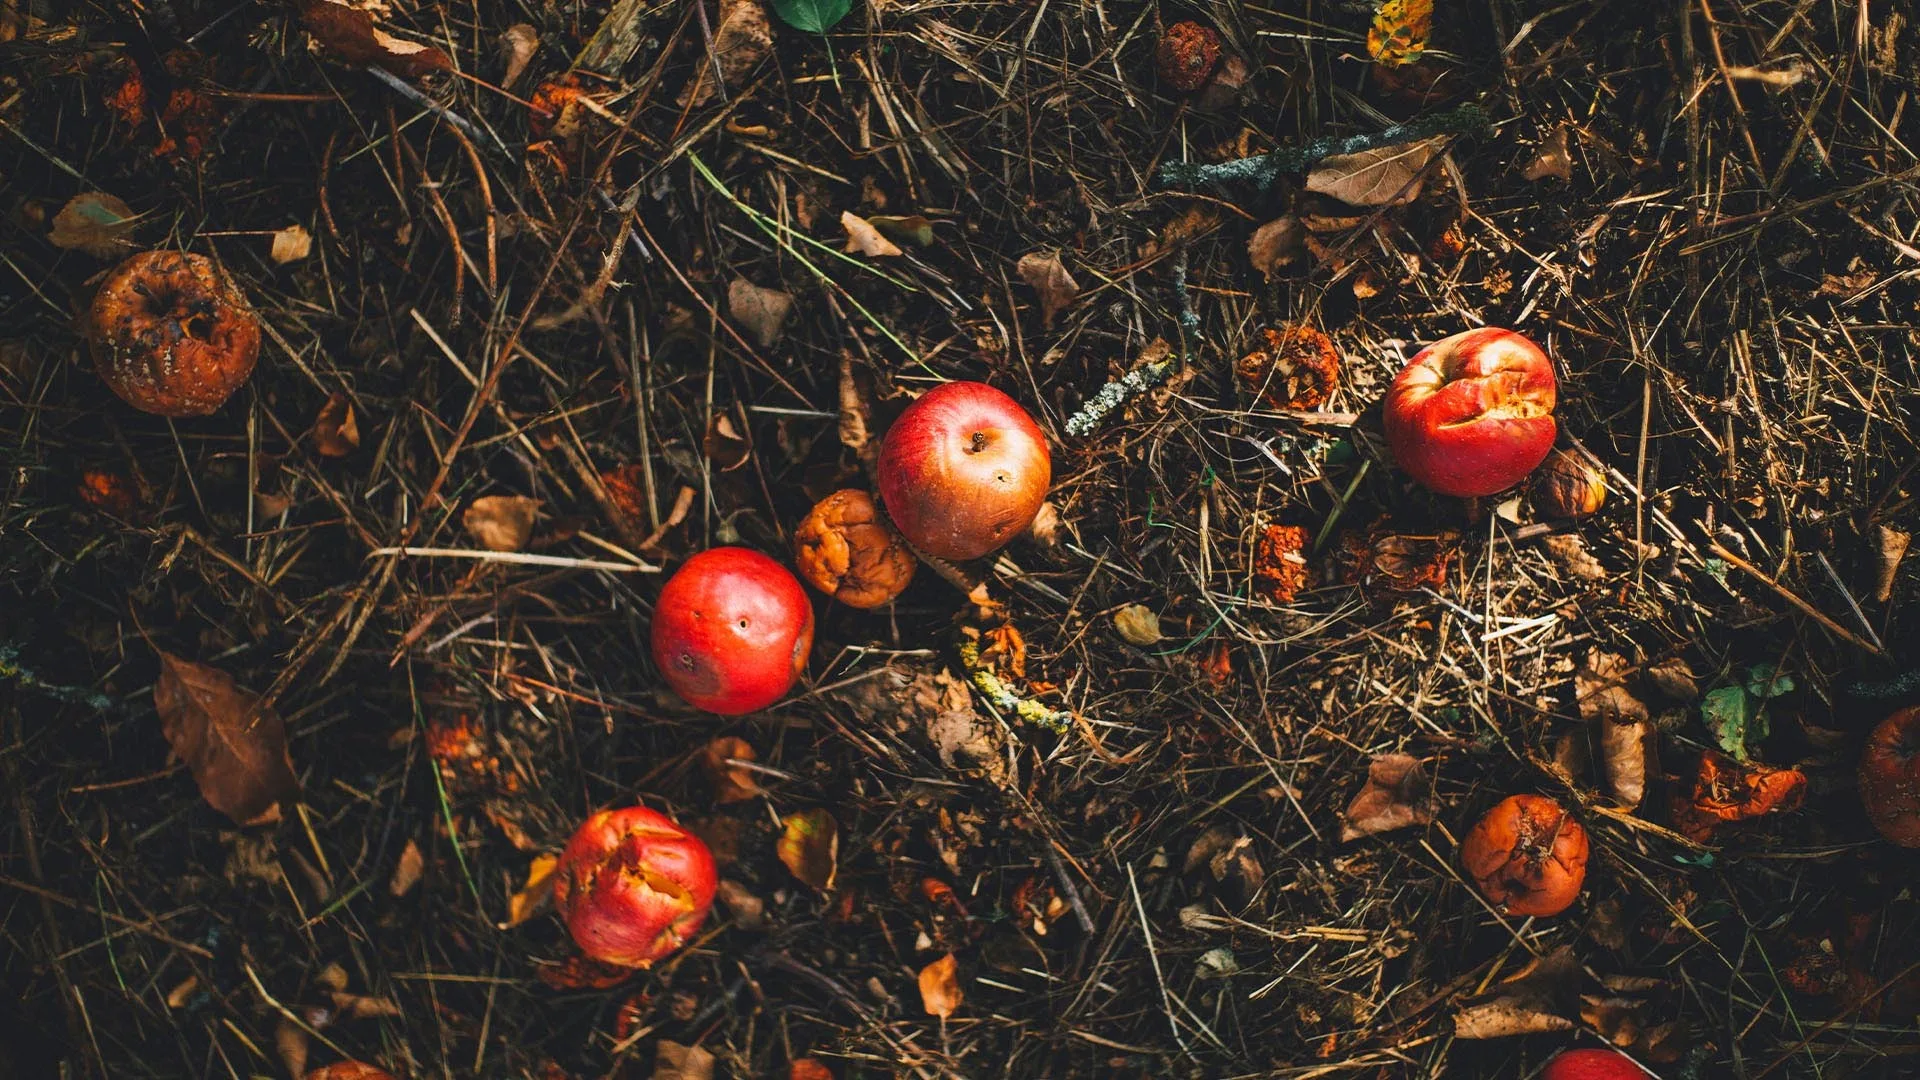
633, 886
1890, 777
963, 470
171, 334
1472, 414
847, 549
1187, 54
731, 631
1591, 1064
1527, 856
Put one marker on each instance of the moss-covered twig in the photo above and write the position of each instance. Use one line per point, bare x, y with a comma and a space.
1261, 172
1146, 376
1002, 697
10, 669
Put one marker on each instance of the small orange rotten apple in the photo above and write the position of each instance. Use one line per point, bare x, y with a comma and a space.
172, 334
1472, 414
633, 886
963, 471
1567, 486
847, 549
1187, 54
1890, 777
1527, 855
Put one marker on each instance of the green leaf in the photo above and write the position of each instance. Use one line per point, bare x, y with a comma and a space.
1764, 681
812, 16
1730, 712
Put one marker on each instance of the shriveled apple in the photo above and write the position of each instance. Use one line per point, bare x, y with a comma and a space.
1527, 856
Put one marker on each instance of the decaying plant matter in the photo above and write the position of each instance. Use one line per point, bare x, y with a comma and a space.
848, 550
172, 334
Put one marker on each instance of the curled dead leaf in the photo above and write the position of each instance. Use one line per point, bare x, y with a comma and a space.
235, 747
1137, 624
726, 447
940, 992
1538, 998
349, 35
856, 417
1569, 552
535, 896
731, 783
517, 45
675, 1061
1397, 795
407, 871
1626, 756
96, 223
1599, 686
864, 239
1553, 158
741, 39
1278, 243
336, 431
501, 522
290, 244
1044, 273
1891, 547
809, 846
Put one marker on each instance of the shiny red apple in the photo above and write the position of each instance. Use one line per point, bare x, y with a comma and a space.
633, 886
963, 470
1593, 1065
1472, 414
731, 631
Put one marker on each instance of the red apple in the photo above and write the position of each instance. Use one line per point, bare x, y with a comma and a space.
1890, 777
963, 470
1472, 414
731, 631
1594, 1065
633, 886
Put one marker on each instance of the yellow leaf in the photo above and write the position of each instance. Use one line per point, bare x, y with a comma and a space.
1399, 32
940, 991
534, 897
810, 846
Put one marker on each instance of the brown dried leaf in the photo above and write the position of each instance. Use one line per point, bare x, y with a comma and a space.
364, 1007
1044, 273
1554, 159
748, 910
1626, 752
856, 416
1892, 547
1278, 243
674, 1061
912, 229
1674, 679
96, 223
1137, 624
1397, 794
336, 431
741, 39
1569, 552
350, 36
1599, 685
940, 992
407, 871
533, 897
1382, 176
292, 1044
864, 239
761, 312
290, 244
501, 522
809, 845
236, 749
726, 447
1537, 998
731, 783
518, 43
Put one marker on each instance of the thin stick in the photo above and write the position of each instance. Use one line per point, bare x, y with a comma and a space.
1788, 595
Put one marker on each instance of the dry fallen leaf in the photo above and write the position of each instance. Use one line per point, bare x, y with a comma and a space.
291, 244
726, 447
1278, 243
809, 845
1599, 686
1626, 753
741, 39
236, 749
1569, 552
864, 239
1892, 547
533, 897
1383, 176
1044, 273
518, 44
731, 783
1675, 679
940, 992
336, 431
1536, 999
1553, 159
913, 229
406, 872
856, 416
1137, 624
674, 1061
363, 1006
182, 992
350, 36
748, 910
292, 1044
501, 522
96, 223
761, 312
1397, 794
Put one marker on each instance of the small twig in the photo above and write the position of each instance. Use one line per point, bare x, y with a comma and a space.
1852, 604
1146, 931
10, 668
1790, 597
1002, 697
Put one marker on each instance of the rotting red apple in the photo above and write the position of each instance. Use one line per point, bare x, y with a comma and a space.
1890, 777
172, 334
731, 631
1472, 414
963, 470
633, 886
1592, 1064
